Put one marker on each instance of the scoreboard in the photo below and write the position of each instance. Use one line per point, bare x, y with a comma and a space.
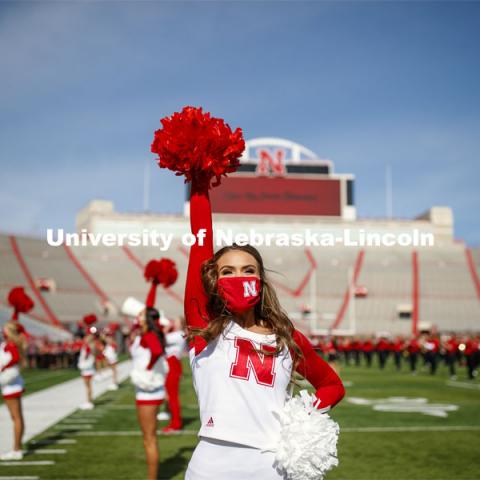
280, 177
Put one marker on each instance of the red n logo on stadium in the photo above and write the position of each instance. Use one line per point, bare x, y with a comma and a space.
273, 164
249, 358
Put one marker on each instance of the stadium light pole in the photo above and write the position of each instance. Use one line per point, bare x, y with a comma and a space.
146, 186
388, 191
313, 300
351, 303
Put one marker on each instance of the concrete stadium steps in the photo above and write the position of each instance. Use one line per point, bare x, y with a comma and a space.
11, 275
113, 273
10, 272
46, 261
388, 276
447, 290
452, 314
71, 307
119, 276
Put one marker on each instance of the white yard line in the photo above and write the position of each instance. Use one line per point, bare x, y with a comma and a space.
19, 478
426, 428
131, 433
72, 426
49, 451
472, 386
23, 463
61, 441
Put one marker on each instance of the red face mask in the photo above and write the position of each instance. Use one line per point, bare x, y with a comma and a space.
240, 293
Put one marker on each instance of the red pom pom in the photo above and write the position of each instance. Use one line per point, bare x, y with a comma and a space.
113, 327
162, 271
19, 300
197, 145
90, 319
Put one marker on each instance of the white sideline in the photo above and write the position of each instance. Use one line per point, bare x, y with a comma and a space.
419, 428
47, 407
426, 428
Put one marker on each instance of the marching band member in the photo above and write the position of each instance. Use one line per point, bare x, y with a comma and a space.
431, 350
450, 347
413, 349
398, 348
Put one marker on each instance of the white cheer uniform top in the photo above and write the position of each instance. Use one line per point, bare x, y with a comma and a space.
176, 344
239, 390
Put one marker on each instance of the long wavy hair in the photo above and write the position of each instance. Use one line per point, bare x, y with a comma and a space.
152, 316
268, 310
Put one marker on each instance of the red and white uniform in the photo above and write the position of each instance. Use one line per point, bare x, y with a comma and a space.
86, 361
11, 381
239, 388
175, 348
110, 353
148, 357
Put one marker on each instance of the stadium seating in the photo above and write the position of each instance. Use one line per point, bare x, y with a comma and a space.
447, 295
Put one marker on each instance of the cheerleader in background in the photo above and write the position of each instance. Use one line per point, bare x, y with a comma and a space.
86, 365
148, 376
100, 360
176, 346
111, 357
12, 350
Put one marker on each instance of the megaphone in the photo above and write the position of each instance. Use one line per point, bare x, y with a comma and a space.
132, 307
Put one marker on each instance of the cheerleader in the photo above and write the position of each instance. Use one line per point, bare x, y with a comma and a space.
175, 348
243, 353
111, 356
86, 365
244, 349
148, 376
12, 384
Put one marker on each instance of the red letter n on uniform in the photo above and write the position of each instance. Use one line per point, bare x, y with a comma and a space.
248, 359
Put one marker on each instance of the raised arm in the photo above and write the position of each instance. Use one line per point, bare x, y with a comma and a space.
328, 386
195, 298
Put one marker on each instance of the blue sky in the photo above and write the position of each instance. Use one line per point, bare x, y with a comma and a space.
84, 84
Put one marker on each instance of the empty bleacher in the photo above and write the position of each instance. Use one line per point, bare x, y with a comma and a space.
447, 294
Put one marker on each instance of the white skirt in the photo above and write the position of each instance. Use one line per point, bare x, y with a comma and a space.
220, 460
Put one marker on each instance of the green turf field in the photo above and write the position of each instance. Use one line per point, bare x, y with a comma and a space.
373, 444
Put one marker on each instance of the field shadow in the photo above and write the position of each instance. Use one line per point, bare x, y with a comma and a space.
175, 464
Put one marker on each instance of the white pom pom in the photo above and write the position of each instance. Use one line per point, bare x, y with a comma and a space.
147, 380
9, 375
307, 448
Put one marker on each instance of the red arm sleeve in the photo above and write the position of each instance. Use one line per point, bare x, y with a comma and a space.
13, 350
151, 341
195, 298
329, 387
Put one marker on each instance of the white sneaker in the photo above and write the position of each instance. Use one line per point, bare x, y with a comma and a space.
163, 416
86, 406
13, 455
112, 387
